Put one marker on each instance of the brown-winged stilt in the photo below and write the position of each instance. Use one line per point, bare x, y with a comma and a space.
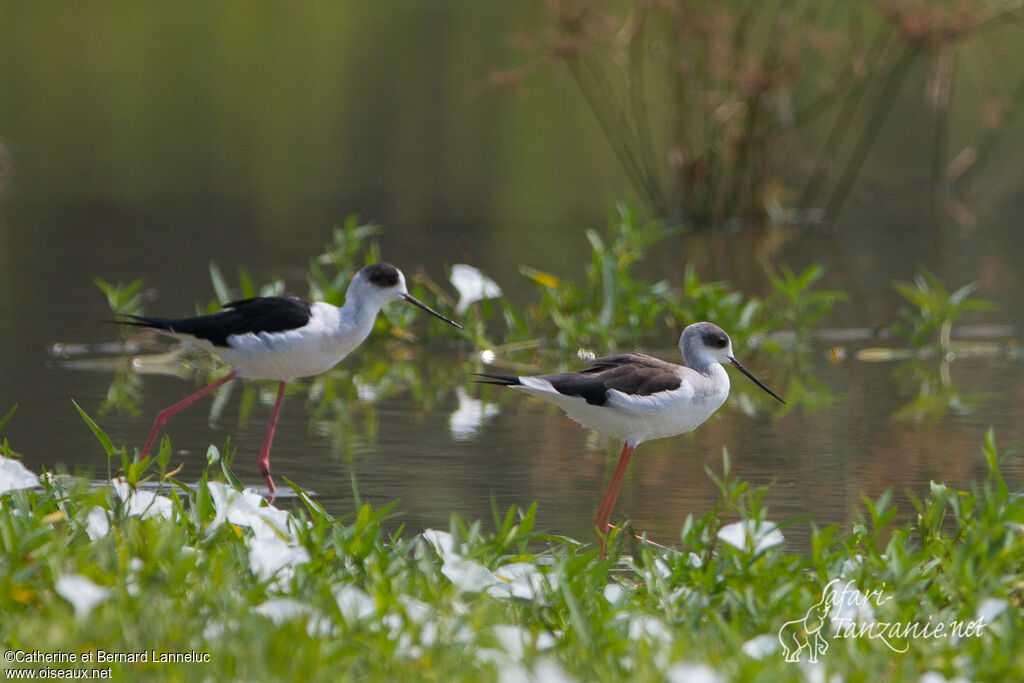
637, 398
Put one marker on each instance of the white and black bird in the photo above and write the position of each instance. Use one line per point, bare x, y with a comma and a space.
637, 398
283, 338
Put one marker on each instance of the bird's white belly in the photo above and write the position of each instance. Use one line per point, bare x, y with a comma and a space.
282, 356
642, 418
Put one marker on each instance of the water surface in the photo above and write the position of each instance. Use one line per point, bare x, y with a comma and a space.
129, 163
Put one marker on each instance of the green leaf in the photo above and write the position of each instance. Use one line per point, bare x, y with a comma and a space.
245, 283
220, 285
10, 413
108, 446
229, 475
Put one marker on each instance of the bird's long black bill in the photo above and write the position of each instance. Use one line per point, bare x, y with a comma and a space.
416, 302
754, 379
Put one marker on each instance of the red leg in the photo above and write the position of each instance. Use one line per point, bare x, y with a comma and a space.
166, 413
604, 511
264, 459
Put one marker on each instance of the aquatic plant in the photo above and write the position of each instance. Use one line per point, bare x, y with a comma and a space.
5, 448
126, 299
349, 250
612, 307
797, 305
929, 322
246, 289
715, 302
616, 309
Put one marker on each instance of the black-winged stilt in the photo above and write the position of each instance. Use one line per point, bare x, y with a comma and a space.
283, 338
637, 398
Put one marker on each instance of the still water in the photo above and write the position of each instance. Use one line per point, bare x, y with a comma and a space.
129, 163
408, 425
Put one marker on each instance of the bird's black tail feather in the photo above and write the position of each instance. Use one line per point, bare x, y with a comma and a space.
500, 380
144, 321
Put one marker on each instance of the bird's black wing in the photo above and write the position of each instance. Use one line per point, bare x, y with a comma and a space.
260, 314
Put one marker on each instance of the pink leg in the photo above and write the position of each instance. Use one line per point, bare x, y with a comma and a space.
264, 459
166, 413
604, 511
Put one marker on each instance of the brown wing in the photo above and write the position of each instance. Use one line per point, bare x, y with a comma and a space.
630, 373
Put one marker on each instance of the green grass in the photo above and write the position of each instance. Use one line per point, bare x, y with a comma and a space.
263, 593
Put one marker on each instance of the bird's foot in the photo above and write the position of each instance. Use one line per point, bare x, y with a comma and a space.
270, 488
606, 532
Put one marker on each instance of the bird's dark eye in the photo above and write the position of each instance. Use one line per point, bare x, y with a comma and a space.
721, 342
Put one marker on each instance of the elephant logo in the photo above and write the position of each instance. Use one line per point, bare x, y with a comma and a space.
805, 632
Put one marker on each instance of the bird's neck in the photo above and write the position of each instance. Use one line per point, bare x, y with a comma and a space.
701, 364
356, 317
714, 370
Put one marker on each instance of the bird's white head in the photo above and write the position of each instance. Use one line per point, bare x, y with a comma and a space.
382, 283
703, 344
379, 283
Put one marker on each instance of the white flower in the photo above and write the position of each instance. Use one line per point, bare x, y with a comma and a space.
131, 580
614, 593
97, 524
990, 609
353, 603
245, 508
82, 593
761, 646
441, 540
141, 502
691, 672
469, 576
14, 475
271, 556
648, 628
849, 605
936, 677
274, 545
764, 535
472, 286
521, 580
281, 610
